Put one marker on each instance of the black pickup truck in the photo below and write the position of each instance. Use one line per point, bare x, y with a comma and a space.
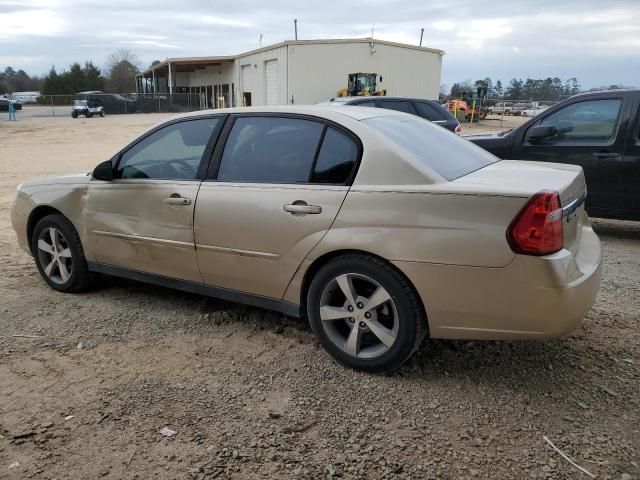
599, 131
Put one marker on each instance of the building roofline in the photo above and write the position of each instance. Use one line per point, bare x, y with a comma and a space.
340, 41
286, 43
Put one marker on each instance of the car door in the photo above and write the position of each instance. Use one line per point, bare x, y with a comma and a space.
273, 191
591, 135
143, 218
629, 168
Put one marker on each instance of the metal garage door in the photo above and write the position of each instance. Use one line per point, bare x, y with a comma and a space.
271, 75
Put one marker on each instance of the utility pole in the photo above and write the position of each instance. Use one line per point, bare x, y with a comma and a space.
295, 26
421, 34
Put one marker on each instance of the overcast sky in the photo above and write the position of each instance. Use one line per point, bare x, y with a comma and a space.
598, 41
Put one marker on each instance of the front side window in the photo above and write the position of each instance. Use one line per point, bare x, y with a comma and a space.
592, 120
270, 150
173, 152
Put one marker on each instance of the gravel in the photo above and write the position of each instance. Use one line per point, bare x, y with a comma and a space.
252, 395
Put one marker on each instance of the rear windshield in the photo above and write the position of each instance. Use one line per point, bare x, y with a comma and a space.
444, 152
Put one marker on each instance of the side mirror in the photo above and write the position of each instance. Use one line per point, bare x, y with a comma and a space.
564, 127
542, 131
104, 171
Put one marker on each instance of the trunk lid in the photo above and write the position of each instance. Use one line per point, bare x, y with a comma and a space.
528, 178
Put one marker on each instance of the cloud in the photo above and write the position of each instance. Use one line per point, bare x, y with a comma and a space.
594, 40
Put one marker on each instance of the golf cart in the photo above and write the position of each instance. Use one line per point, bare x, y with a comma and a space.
88, 108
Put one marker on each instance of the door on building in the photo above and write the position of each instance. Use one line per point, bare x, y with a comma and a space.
271, 82
245, 80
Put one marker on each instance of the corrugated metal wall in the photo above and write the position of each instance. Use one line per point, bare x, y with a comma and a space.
318, 71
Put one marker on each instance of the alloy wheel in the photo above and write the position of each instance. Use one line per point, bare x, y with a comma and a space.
54, 255
358, 315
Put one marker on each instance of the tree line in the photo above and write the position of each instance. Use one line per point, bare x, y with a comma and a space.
118, 76
550, 89
18, 81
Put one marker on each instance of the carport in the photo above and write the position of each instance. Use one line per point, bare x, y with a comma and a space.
209, 78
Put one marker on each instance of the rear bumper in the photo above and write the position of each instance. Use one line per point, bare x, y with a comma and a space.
532, 297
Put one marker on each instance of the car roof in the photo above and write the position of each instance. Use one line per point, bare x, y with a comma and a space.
324, 111
344, 100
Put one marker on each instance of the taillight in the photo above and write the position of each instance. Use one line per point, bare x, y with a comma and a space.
537, 229
458, 129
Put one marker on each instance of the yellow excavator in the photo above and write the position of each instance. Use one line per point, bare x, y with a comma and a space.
362, 85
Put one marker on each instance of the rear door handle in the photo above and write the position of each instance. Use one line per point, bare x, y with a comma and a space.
605, 155
176, 199
302, 208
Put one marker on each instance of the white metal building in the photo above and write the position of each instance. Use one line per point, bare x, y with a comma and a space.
297, 71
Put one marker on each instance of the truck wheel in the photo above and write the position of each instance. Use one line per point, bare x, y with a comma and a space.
74, 114
102, 113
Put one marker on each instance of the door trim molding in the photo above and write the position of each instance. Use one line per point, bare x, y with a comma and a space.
236, 296
142, 239
236, 251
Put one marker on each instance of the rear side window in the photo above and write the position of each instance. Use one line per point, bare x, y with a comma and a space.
270, 150
448, 155
429, 112
398, 105
336, 159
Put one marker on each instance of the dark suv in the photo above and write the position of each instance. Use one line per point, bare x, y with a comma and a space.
427, 109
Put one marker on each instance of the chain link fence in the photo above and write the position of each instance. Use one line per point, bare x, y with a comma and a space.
116, 104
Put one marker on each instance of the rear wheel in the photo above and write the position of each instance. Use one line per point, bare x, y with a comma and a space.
507, 112
59, 255
102, 113
365, 313
89, 114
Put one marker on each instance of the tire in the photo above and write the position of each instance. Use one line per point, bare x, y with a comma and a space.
401, 314
89, 114
69, 273
74, 114
490, 112
524, 114
102, 113
507, 112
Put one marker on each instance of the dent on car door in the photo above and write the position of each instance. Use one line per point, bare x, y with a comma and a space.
143, 218
279, 184
589, 134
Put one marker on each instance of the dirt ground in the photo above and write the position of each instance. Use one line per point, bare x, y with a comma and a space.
87, 381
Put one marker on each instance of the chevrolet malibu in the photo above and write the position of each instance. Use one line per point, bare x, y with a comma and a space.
376, 225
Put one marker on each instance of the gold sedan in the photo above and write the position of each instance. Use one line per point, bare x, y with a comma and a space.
377, 226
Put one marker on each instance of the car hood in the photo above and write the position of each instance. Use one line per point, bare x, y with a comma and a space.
70, 179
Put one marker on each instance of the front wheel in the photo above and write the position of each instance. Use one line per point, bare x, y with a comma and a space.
89, 114
524, 114
59, 256
365, 313
74, 114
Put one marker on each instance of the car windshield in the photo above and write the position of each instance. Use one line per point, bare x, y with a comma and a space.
445, 153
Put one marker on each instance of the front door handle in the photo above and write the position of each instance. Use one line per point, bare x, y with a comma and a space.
176, 199
605, 154
300, 207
